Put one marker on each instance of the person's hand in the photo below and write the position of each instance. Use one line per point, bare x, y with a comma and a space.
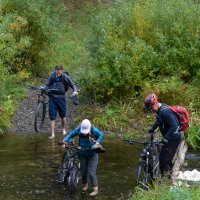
75, 93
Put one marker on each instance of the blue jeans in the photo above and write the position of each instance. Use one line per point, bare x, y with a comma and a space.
57, 104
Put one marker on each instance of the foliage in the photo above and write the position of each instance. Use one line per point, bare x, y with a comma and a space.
114, 117
11, 91
166, 192
138, 41
193, 136
28, 28
69, 49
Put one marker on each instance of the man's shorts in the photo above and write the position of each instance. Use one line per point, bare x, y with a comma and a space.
57, 104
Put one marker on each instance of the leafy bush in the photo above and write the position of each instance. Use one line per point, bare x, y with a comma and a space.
193, 136
138, 41
28, 32
28, 28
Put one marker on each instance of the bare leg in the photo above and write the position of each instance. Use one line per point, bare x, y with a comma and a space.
63, 122
52, 124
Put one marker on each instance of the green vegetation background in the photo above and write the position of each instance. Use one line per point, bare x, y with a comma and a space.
117, 51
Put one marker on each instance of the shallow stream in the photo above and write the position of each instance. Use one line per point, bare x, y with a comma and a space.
29, 163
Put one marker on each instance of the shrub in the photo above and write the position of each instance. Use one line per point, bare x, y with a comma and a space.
138, 41
28, 28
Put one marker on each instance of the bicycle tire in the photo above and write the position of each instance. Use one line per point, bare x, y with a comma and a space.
63, 170
73, 178
142, 173
40, 116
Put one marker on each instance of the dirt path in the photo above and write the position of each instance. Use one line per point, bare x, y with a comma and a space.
23, 119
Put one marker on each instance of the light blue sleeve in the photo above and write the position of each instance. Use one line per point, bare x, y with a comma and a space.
98, 134
72, 134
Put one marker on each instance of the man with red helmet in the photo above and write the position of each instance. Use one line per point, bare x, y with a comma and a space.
169, 127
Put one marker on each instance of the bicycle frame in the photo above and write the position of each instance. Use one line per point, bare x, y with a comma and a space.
70, 164
148, 159
42, 97
72, 159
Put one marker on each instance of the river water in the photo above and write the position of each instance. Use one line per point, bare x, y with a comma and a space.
29, 163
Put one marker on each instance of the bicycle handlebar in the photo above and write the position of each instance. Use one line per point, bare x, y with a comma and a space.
74, 98
33, 87
144, 143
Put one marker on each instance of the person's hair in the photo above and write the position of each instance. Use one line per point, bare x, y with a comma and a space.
59, 67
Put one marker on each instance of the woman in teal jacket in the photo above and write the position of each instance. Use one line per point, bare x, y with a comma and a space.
88, 136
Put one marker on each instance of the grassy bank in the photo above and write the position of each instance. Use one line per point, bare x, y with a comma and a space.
164, 192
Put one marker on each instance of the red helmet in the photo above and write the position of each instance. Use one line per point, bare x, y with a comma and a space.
150, 100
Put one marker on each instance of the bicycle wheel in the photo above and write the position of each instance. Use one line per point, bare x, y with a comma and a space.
73, 178
142, 173
40, 116
63, 169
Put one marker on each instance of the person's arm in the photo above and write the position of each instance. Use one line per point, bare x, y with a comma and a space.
72, 134
170, 120
98, 134
48, 83
69, 82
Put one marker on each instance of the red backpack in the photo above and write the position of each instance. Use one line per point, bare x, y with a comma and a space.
182, 115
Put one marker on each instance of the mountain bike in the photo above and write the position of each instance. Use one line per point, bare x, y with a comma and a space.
41, 108
148, 165
69, 170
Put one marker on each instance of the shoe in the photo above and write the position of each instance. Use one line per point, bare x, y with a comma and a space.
95, 192
51, 137
85, 187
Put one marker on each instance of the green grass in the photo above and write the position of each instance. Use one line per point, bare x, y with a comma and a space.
166, 192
